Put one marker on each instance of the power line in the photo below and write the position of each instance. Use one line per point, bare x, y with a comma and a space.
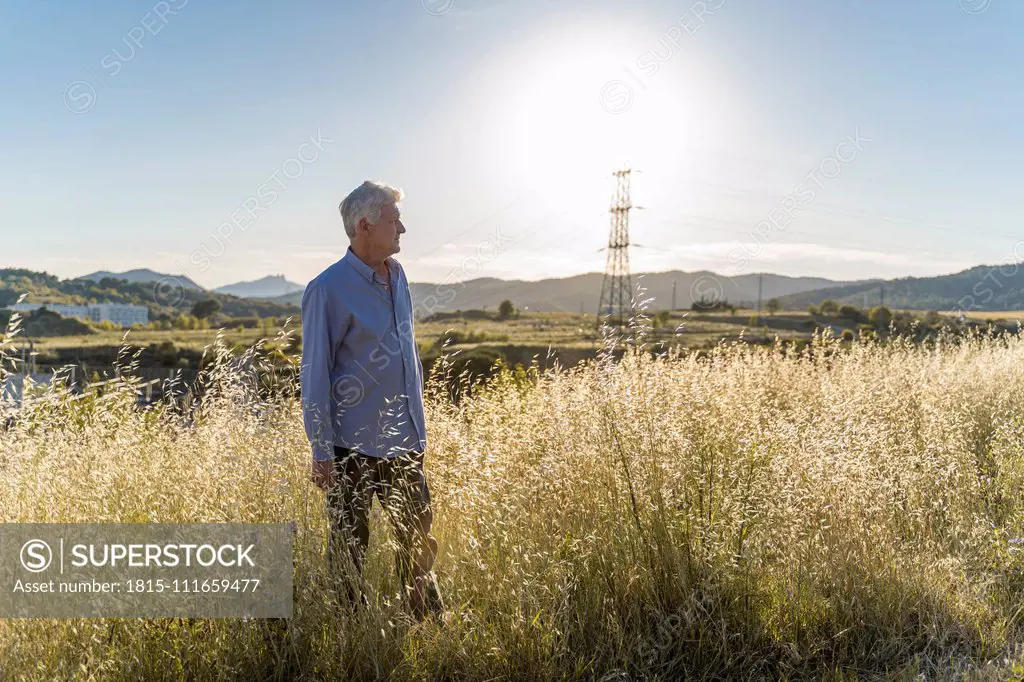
475, 225
745, 228
859, 214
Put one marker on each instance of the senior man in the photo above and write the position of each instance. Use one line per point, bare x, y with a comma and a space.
362, 396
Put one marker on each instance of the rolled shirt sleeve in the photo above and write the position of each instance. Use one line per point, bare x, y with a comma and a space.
315, 373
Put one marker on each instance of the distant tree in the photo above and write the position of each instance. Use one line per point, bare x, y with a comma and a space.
244, 322
706, 304
205, 308
506, 310
847, 335
829, 307
189, 322
904, 322
772, 306
852, 313
661, 319
880, 317
165, 353
813, 310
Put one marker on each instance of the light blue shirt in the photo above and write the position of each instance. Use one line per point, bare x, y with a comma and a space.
361, 378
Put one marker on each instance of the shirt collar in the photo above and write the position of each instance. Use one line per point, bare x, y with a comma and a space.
368, 273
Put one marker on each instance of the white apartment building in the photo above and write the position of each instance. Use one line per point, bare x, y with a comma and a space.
118, 313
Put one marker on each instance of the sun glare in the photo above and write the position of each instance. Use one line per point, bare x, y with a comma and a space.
585, 112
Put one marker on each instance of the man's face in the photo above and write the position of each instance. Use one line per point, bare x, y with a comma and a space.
385, 235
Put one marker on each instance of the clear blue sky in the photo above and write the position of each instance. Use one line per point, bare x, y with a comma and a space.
507, 119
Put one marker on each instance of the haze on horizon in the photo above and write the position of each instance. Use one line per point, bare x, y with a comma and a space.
134, 131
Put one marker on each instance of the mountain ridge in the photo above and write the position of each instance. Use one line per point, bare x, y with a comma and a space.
142, 275
570, 294
266, 287
982, 287
166, 297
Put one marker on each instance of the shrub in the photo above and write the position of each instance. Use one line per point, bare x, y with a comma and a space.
711, 303
880, 317
454, 337
506, 310
852, 313
247, 322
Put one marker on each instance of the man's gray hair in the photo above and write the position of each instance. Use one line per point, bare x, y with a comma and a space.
366, 201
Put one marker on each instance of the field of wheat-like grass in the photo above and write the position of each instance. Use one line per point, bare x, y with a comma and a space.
752, 513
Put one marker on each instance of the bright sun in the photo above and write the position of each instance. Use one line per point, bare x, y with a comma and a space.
582, 113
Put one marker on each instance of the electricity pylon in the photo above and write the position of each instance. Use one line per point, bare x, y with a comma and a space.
616, 306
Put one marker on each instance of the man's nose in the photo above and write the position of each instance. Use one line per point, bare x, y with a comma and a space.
401, 227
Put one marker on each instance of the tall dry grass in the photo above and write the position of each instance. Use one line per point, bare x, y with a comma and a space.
754, 513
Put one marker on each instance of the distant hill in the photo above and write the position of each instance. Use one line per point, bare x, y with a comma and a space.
984, 287
168, 297
981, 288
569, 293
268, 287
287, 299
141, 275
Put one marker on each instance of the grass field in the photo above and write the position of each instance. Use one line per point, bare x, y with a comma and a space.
754, 514
564, 330
558, 330
1008, 315
194, 338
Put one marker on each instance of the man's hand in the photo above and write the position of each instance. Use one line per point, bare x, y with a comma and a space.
323, 473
